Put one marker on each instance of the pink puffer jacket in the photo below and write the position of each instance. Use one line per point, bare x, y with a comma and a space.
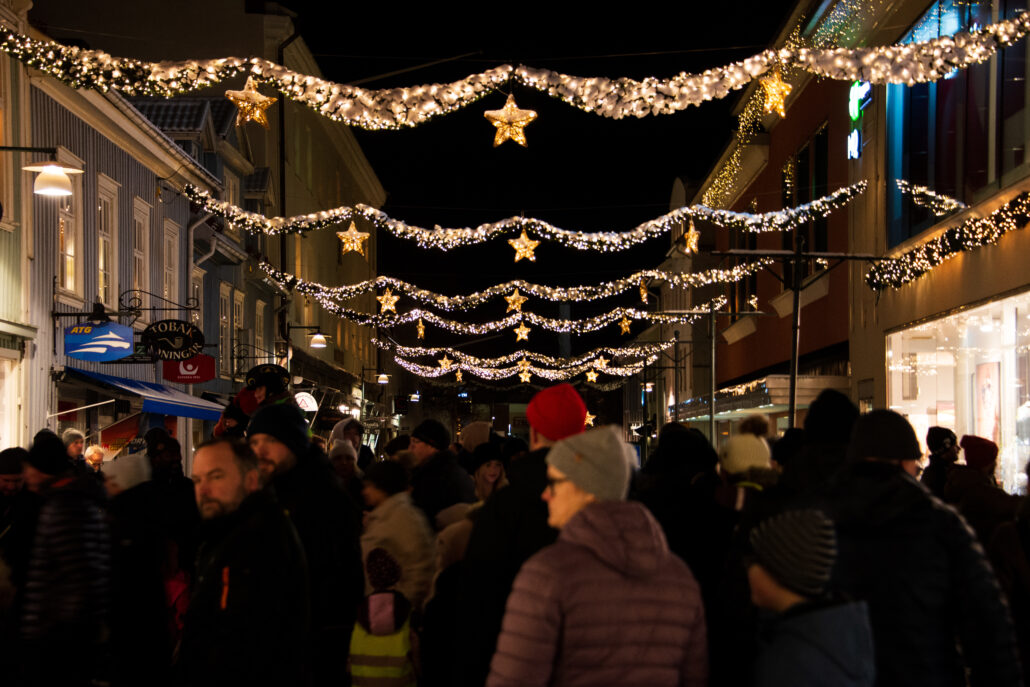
607, 604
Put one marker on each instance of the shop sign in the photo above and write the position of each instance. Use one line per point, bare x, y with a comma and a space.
173, 339
98, 341
196, 370
306, 402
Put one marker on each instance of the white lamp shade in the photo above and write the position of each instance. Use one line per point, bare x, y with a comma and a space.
318, 340
383, 379
52, 181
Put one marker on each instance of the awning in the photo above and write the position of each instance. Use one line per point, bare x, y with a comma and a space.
158, 398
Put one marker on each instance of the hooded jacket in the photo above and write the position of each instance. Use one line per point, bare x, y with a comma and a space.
607, 604
918, 566
399, 527
812, 645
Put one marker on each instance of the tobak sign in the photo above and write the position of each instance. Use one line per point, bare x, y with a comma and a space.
173, 339
198, 369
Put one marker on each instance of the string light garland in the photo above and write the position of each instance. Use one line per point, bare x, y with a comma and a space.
937, 203
397, 108
352, 239
523, 358
679, 280
250, 104
606, 241
494, 373
970, 235
510, 122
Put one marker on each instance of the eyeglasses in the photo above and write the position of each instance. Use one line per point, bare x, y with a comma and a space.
552, 482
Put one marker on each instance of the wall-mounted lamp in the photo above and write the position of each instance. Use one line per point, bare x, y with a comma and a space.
317, 340
52, 176
382, 378
648, 387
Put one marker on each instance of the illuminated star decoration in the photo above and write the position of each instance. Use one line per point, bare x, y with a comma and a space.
525, 376
643, 291
624, 324
589, 420
515, 301
388, 301
524, 247
753, 302
776, 92
601, 362
522, 332
445, 362
591, 376
510, 121
691, 238
353, 239
250, 103
523, 365
420, 329
457, 376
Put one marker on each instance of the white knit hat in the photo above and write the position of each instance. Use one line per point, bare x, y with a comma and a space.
741, 452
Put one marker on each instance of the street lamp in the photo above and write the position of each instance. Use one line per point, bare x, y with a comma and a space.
52, 179
318, 339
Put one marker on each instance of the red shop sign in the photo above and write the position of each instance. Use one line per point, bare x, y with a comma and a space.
199, 368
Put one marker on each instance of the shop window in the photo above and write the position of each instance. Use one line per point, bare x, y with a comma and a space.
969, 371
938, 133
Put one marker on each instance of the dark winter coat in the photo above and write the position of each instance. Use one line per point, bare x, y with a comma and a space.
1010, 556
327, 521
980, 500
440, 482
929, 588
248, 616
814, 645
935, 476
607, 604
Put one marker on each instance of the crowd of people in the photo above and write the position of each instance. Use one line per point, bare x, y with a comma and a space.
821, 557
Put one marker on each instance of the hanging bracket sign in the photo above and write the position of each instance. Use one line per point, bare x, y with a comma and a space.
196, 370
98, 341
173, 339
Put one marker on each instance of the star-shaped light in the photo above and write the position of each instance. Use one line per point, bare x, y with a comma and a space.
691, 238
524, 247
601, 362
353, 239
445, 362
420, 329
457, 376
776, 92
522, 332
515, 300
388, 301
624, 324
525, 376
523, 365
251, 105
510, 121
588, 421
643, 291
591, 376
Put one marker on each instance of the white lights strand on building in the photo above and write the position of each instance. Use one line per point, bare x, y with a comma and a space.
923, 196
971, 234
397, 108
682, 280
644, 350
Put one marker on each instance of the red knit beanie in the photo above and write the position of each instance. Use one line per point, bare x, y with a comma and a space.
980, 452
557, 412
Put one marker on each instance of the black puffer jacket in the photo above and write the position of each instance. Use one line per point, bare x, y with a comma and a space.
926, 581
440, 482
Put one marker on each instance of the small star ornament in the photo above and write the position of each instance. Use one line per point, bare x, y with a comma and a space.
588, 421
591, 376
776, 92
420, 329
353, 240
523, 365
624, 324
388, 301
691, 238
445, 362
457, 376
515, 301
524, 247
522, 332
510, 122
643, 291
601, 362
250, 104
525, 376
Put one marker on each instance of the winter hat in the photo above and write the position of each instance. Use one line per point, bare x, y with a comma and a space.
595, 461
474, 434
274, 378
388, 476
71, 435
886, 435
980, 452
11, 460
483, 454
557, 412
398, 443
128, 471
285, 422
343, 449
798, 549
830, 418
742, 452
336, 436
433, 433
940, 439
48, 454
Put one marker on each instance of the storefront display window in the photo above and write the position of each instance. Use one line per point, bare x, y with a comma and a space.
969, 371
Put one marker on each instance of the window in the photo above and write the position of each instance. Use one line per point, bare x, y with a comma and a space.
805, 177
170, 278
239, 328
197, 296
232, 195
107, 240
224, 329
260, 343
141, 248
1014, 115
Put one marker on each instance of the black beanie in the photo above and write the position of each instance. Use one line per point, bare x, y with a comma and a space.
940, 439
285, 422
11, 460
432, 433
798, 548
387, 475
483, 454
886, 435
48, 454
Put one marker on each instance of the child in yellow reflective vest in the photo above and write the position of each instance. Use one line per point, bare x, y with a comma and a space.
381, 652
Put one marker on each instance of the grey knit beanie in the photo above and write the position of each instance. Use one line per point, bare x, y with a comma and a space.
71, 435
595, 461
798, 548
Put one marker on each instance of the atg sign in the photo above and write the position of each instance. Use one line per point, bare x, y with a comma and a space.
97, 341
173, 339
196, 370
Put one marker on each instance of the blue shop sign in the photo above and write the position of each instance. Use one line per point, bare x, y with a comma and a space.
99, 342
